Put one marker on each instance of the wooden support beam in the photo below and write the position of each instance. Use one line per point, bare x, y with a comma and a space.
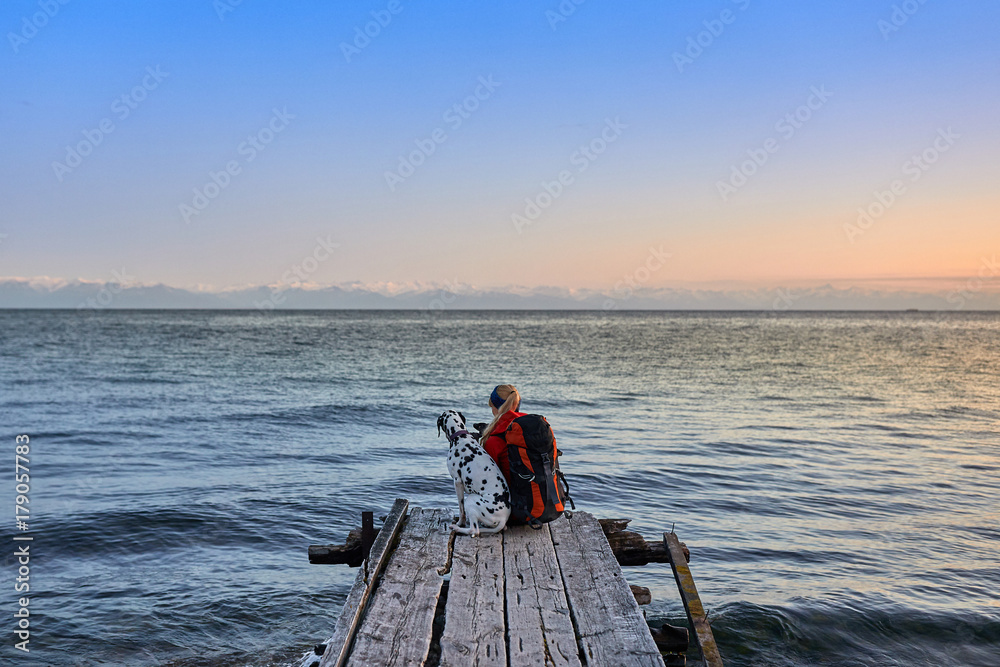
348, 553
671, 639
367, 532
338, 646
642, 594
630, 548
692, 603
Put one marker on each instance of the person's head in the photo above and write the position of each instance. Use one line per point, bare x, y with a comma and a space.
503, 399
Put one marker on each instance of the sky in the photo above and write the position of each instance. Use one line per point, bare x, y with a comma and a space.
728, 143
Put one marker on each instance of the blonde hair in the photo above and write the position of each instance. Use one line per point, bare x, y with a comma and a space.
511, 401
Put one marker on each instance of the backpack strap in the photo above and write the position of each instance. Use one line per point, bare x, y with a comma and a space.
565, 487
551, 492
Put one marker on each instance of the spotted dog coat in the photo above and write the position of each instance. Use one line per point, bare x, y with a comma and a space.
483, 497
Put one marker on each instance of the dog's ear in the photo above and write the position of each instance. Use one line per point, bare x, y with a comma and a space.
440, 424
463, 418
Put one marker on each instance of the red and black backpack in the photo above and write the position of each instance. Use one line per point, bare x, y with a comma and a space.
537, 486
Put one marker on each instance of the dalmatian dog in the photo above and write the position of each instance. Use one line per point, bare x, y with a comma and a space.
483, 496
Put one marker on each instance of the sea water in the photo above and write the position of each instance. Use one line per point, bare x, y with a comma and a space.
835, 475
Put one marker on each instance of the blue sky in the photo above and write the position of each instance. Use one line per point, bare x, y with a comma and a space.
683, 126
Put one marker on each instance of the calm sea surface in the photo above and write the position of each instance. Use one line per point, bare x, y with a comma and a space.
836, 476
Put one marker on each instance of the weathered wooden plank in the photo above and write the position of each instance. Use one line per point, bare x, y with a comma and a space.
538, 616
692, 603
609, 625
474, 619
338, 646
399, 621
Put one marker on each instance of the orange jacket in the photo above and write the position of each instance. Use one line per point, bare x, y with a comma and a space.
496, 444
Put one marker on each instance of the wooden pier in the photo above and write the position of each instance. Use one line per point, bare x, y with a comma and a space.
523, 597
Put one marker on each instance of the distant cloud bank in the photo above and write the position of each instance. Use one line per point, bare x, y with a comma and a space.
78, 294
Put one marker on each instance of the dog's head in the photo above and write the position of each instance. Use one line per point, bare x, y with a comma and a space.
451, 421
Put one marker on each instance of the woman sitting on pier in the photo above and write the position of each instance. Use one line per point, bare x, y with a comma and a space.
504, 401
